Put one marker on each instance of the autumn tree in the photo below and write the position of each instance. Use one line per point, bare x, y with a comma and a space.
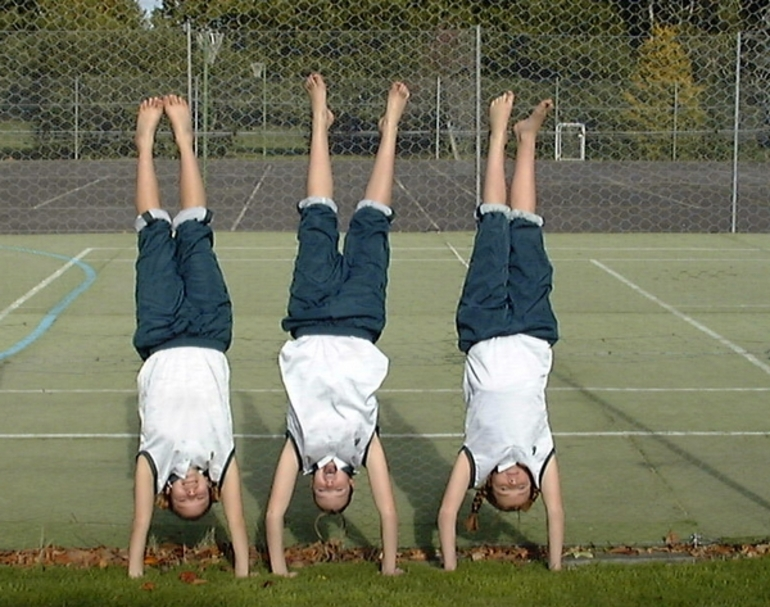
663, 99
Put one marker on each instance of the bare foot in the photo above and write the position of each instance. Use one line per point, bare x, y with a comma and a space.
398, 95
527, 129
500, 113
316, 90
147, 119
178, 113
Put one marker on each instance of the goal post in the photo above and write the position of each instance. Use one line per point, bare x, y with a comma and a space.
570, 141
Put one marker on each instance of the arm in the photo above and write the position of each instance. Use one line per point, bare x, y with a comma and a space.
144, 501
450, 506
382, 492
554, 511
280, 496
232, 503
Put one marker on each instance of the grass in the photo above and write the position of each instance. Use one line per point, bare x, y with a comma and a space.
15, 135
744, 582
275, 142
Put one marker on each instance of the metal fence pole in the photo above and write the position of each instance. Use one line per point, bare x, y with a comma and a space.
264, 110
676, 117
76, 127
188, 36
556, 112
478, 114
736, 129
205, 152
437, 144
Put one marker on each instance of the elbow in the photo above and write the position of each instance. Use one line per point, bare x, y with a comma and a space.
389, 515
273, 517
446, 516
557, 514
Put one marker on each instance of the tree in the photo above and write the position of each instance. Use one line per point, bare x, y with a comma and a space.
663, 100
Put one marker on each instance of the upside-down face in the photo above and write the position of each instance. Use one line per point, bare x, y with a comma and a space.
332, 488
190, 496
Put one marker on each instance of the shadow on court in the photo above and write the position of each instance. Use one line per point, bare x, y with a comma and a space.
421, 472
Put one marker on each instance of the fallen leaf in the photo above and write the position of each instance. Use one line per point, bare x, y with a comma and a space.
188, 577
148, 586
671, 538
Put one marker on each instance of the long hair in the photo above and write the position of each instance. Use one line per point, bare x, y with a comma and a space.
485, 492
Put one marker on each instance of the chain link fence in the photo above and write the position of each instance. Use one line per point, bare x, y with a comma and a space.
664, 132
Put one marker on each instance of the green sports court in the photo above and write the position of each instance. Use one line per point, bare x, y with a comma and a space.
658, 397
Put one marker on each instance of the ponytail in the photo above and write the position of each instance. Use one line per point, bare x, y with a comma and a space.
472, 521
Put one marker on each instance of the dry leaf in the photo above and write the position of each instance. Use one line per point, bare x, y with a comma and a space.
148, 586
188, 577
671, 538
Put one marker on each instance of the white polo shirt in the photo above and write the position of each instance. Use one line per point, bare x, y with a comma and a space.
506, 420
331, 382
184, 409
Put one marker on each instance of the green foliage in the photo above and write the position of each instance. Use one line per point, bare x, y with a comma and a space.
115, 56
664, 101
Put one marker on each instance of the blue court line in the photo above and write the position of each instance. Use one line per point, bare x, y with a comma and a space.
54, 312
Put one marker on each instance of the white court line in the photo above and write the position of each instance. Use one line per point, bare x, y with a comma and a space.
682, 259
390, 391
416, 202
470, 246
250, 199
457, 256
82, 187
43, 284
433, 223
614, 434
459, 185
689, 320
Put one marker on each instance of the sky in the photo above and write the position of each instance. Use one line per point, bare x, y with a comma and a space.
148, 5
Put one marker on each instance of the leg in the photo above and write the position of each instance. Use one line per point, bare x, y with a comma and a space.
207, 307
361, 303
483, 310
494, 177
147, 192
530, 271
159, 290
318, 266
523, 195
319, 174
380, 186
191, 191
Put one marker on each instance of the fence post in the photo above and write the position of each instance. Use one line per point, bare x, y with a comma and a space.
437, 143
76, 127
478, 114
676, 117
736, 128
188, 36
556, 112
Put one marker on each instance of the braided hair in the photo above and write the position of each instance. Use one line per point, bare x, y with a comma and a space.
486, 492
472, 522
